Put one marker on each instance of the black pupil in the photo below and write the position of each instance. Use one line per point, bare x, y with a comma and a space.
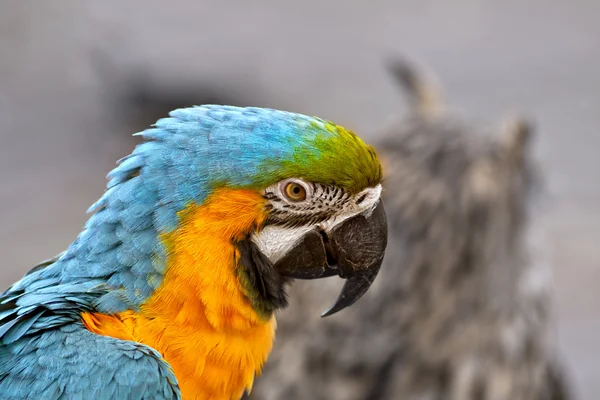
296, 189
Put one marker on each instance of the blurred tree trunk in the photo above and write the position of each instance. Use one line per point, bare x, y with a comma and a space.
460, 308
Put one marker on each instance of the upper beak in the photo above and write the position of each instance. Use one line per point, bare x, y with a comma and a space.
353, 250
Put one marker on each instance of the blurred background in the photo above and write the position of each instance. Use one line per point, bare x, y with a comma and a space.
77, 78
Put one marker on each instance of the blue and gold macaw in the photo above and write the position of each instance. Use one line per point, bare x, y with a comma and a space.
170, 289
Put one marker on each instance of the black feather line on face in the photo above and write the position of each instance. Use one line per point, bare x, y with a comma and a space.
263, 285
327, 202
291, 220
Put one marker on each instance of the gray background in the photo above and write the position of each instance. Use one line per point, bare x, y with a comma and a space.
65, 65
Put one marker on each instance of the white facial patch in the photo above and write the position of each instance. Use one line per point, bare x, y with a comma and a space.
276, 241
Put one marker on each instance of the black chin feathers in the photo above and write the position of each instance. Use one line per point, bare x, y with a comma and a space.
263, 284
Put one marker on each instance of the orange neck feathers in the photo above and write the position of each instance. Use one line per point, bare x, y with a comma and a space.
199, 319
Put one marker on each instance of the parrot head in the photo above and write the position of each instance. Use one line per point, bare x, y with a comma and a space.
319, 212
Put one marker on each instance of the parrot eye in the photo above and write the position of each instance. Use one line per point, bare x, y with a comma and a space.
295, 191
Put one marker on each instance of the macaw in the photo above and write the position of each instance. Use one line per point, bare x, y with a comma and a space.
170, 289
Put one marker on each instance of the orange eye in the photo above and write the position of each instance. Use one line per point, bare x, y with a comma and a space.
295, 192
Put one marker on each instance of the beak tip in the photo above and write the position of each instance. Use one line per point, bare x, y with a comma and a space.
332, 310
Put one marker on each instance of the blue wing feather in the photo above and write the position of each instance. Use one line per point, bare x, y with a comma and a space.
71, 362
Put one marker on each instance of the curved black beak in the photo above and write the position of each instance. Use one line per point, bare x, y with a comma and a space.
353, 250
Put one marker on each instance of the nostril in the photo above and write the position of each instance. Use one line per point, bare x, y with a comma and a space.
331, 260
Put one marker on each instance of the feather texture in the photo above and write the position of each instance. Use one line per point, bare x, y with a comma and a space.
119, 261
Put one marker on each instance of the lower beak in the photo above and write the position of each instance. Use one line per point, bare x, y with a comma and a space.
353, 250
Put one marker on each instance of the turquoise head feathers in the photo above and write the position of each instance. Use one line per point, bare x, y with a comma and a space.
118, 260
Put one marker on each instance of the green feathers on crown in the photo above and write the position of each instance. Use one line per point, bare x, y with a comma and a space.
331, 154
